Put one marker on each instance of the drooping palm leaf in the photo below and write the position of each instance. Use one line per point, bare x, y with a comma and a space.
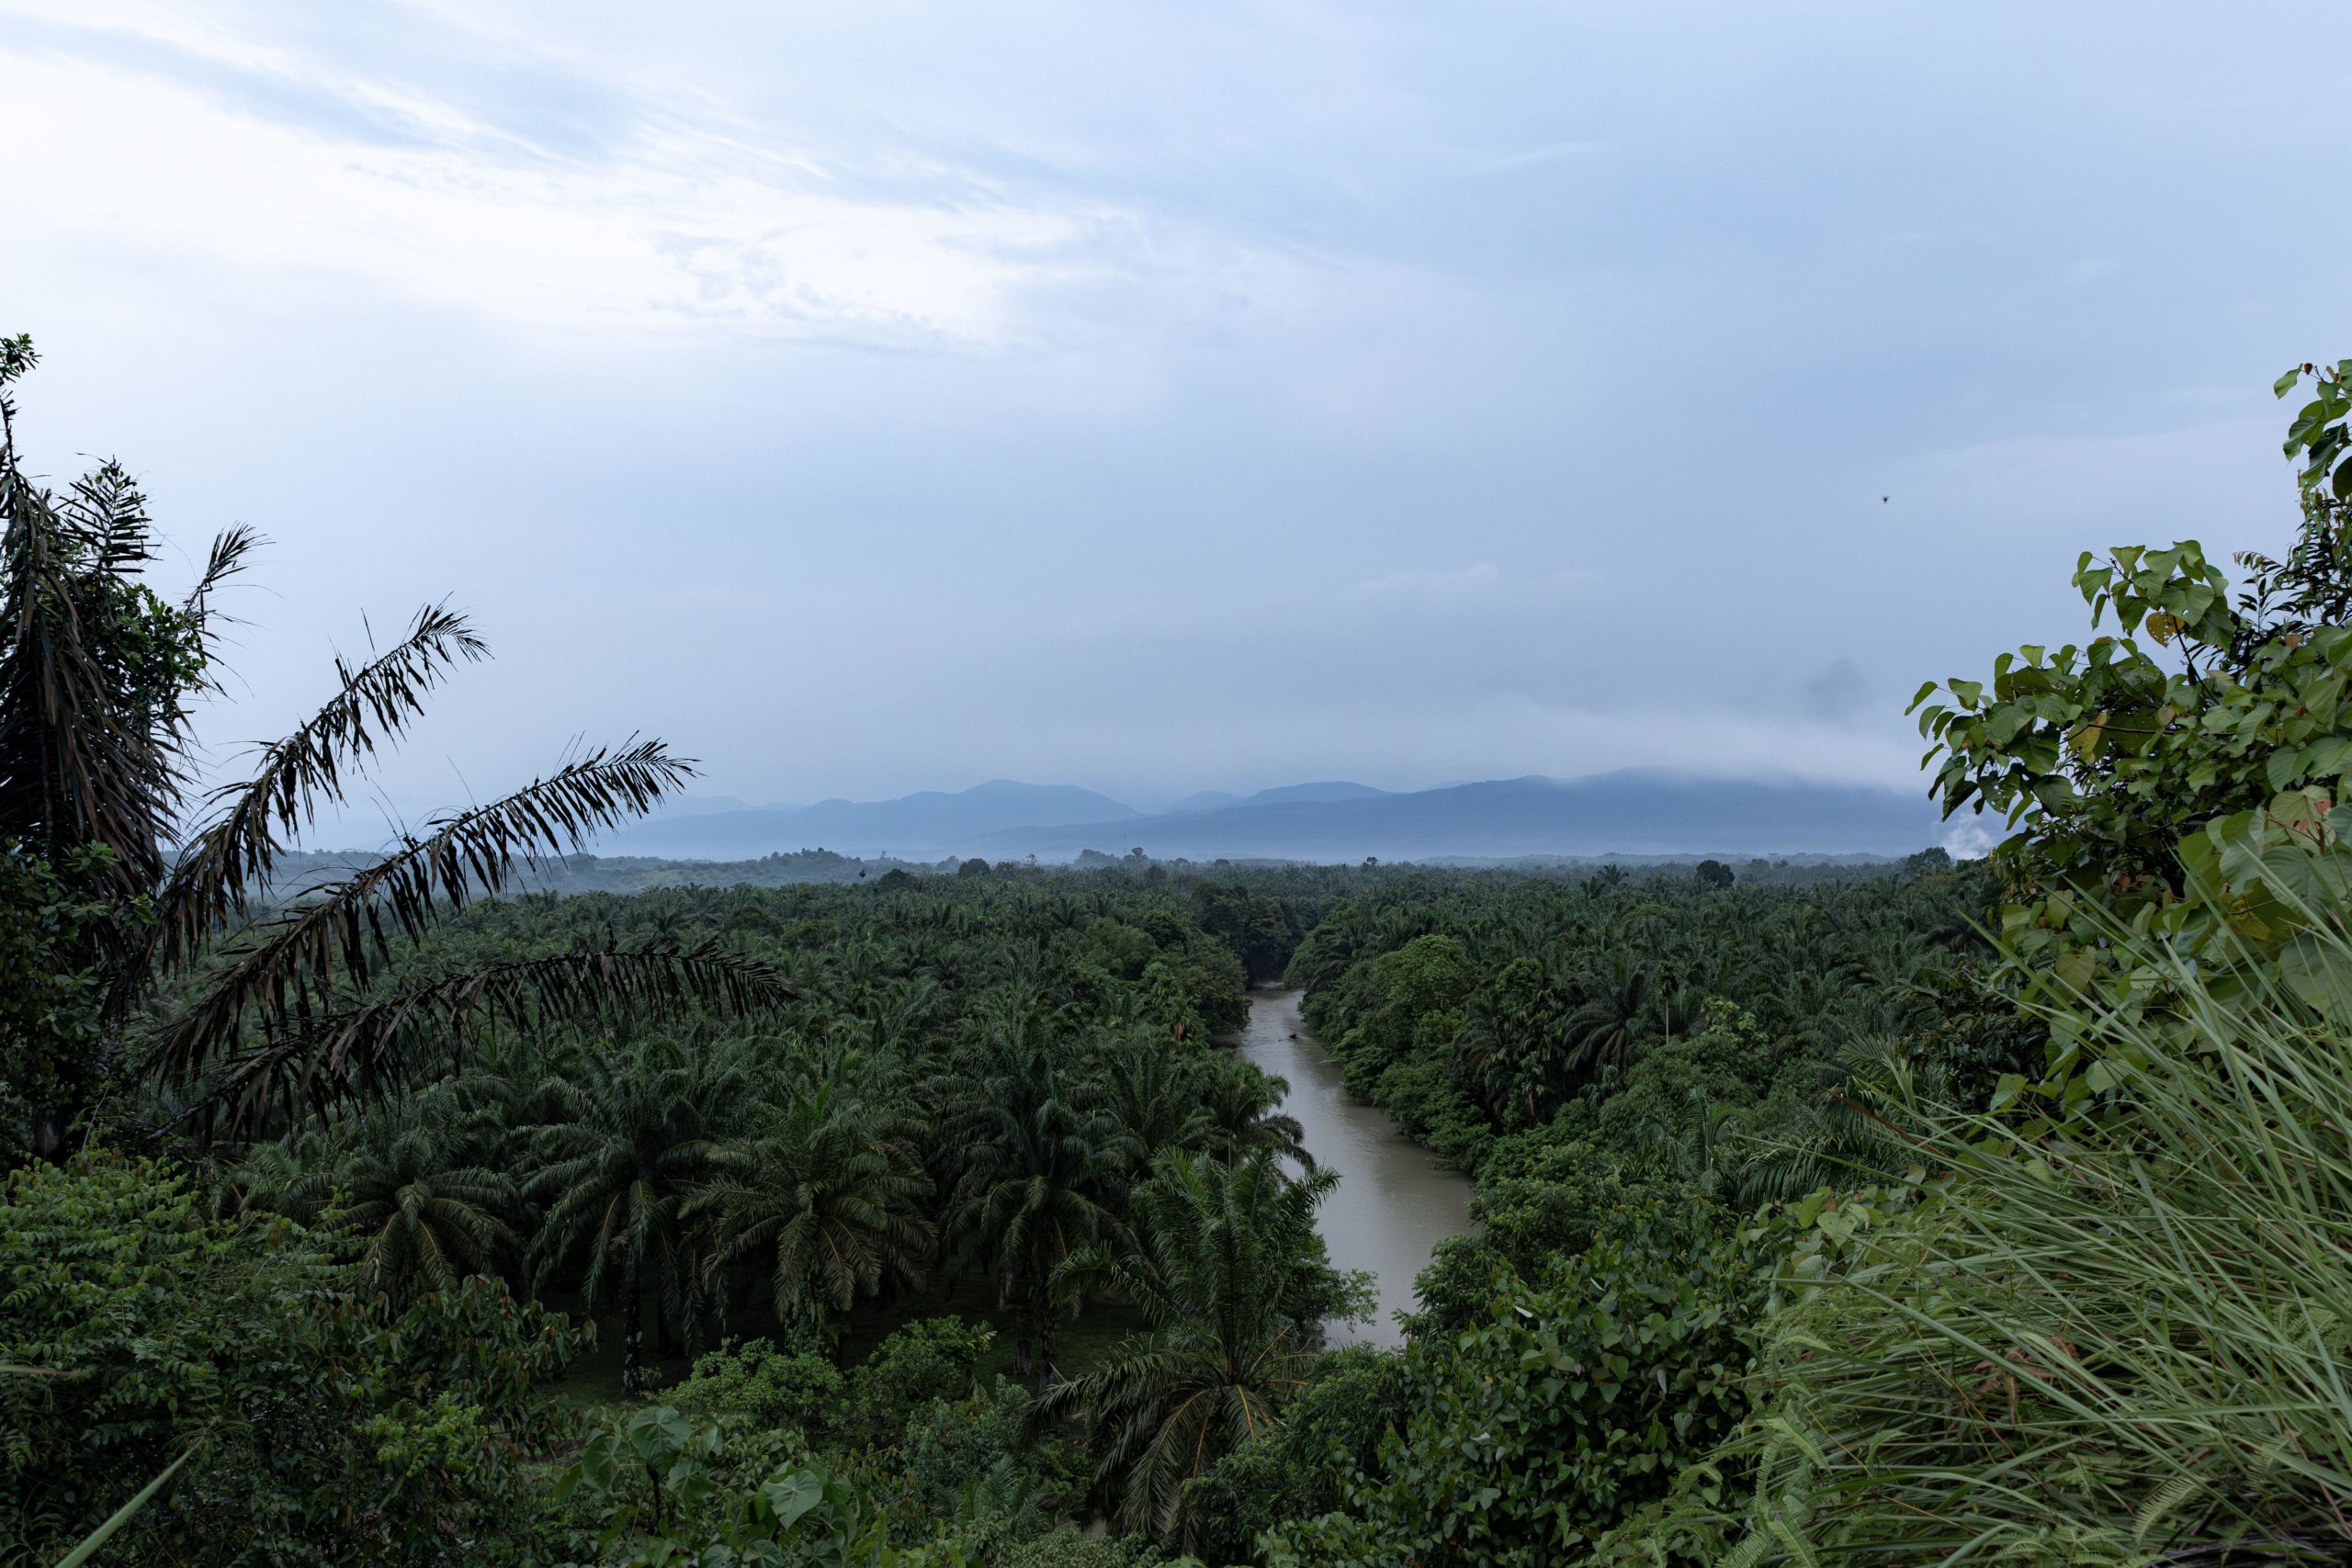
299, 967
233, 856
372, 1047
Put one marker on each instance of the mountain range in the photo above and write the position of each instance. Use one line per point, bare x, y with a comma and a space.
1633, 812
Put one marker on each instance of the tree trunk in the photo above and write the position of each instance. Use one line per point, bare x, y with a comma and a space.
1042, 1316
632, 1326
50, 1123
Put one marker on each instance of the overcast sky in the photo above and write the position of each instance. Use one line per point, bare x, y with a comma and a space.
879, 396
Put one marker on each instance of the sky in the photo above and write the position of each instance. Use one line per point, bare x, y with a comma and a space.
888, 397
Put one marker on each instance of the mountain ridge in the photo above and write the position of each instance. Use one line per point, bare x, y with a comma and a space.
1631, 811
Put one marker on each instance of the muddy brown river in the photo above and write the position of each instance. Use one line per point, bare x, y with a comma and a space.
1394, 1203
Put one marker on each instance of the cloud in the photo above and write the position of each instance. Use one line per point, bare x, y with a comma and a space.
870, 398
1533, 157
1837, 691
679, 223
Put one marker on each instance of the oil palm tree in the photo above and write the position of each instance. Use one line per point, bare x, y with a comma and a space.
643, 1130
1038, 1165
1228, 1272
98, 676
1151, 1095
421, 1216
1242, 1105
1605, 1028
830, 1196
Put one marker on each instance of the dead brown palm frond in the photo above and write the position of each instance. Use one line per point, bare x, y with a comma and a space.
294, 969
213, 883
370, 1048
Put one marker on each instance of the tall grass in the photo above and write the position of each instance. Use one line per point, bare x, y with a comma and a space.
2118, 1339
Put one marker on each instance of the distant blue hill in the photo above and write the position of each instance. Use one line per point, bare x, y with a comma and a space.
1202, 800
1630, 813
1635, 812
1217, 799
925, 824
1336, 789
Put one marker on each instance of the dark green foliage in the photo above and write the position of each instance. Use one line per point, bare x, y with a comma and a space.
53, 923
631, 1141
1538, 1201
1473, 1008
1261, 932
1299, 1469
762, 1384
1229, 1273
323, 1430
976, 1458
927, 1361
1578, 1397
667, 1492
830, 1196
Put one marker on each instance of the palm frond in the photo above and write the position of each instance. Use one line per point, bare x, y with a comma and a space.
223, 561
233, 856
372, 1047
289, 970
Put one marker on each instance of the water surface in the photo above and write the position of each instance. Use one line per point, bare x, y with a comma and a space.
1395, 1202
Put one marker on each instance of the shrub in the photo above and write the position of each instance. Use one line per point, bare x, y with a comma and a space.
2097, 1338
323, 1430
1300, 1468
764, 1385
1580, 1398
926, 1360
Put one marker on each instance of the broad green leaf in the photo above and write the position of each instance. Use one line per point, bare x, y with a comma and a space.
2320, 972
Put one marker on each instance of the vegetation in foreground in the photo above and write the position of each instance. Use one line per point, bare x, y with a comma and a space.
925, 1222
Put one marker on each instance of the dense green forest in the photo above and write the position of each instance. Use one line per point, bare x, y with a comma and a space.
399, 1210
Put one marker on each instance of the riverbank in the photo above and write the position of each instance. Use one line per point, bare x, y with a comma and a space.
1395, 1201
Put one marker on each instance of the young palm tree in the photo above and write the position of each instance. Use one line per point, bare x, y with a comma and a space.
422, 1215
830, 1195
643, 1132
1226, 1270
97, 673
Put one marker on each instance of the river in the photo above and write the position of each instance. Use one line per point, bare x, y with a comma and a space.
1394, 1203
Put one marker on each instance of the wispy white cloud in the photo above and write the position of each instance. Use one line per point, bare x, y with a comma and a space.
1484, 578
1535, 157
680, 224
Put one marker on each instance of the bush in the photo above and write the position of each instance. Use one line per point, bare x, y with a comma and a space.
2096, 1338
1580, 1398
926, 1360
323, 1430
1557, 1202
1300, 1468
764, 1386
